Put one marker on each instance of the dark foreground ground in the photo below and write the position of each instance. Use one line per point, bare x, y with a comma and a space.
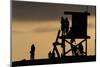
67, 59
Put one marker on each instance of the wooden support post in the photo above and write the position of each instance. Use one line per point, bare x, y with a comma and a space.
63, 45
86, 46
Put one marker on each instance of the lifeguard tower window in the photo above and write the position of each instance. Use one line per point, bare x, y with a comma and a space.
79, 25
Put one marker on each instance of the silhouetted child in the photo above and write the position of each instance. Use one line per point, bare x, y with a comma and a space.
75, 50
80, 47
49, 54
72, 46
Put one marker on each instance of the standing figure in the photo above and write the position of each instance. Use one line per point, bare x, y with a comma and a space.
75, 50
63, 26
73, 47
49, 55
67, 25
80, 47
32, 52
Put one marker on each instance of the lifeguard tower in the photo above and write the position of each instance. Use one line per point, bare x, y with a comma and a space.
78, 30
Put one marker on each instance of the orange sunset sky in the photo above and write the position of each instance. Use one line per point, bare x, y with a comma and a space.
38, 23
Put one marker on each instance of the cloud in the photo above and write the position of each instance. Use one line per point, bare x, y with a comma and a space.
21, 31
36, 30
45, 29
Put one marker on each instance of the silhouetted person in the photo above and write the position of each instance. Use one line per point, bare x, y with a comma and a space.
53, 55
72, 40
72, 46
67, 25
80, 47
63, 26
75, 50
32, 52
49, 54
